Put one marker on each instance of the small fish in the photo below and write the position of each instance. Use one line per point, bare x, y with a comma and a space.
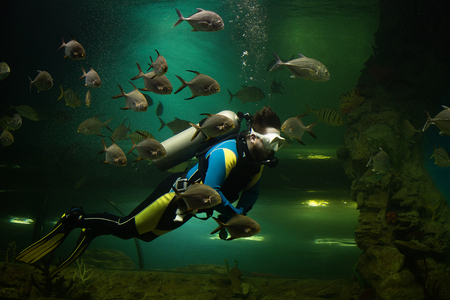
176, 126
114, 155
4, 70
200, 85
248, 94
140, 135
135, 100
198, 196
441, 120
409, 130
73, 49
91, 78
275, 87
6, 138
441, 157
294, 128
159, 65
93, 126
27, 112
87, 101
326, 115
159, 109
380, 161
238, 226
156, 84
213, 126
43, 81
15, 122
120, 133
149, 149
304, 67
202, 20
72, 99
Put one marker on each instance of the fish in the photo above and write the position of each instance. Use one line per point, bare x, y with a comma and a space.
326, 115
239, 226
88, 98
408, 129
159, 65
72, 99
15, 122
114, 155
198, 196
4, 70
6, 138
73, 49
139, 135
378, 131
200, 85
176, 126
159, 109
213, 126
275, 87
441, 157
27, 112
93, 126
294, 128
156, 84
202, 20
304, 67
135, 100
248, 94
91, 78
43, 81
380, 161
149, 149
441, 120
120, 133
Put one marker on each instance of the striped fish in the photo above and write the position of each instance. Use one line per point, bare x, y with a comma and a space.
326, 115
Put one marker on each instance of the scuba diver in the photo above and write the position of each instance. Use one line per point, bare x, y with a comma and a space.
232, 167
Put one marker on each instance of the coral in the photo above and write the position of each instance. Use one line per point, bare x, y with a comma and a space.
350, 101
12, 247
82, 272
433, 209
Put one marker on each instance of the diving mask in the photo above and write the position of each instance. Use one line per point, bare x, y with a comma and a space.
271, 141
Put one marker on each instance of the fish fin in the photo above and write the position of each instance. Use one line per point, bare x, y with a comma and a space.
31, 83
308, 109
141, 74
162, 124
106, 124
198, 129
180, 18
135, 88
132, 148
151, 65
301, 116
308, 128
300, 55
153, 76
183, 84
300, 142
278, 63
62, 92
205, 114
121, 95
190, 98
144, 89
125, 108
198, 73
221, 225
230, 238
231, 96
428, 122
104, 147
84, 74
63, 44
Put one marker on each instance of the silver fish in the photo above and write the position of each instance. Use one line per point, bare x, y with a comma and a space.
159, 65
248, 94
198, 196
239, 226
441, 120
93, 126
91, 78
72, 99
120, 133
213, 126
176, 126
304, 67
140, 135
15, 122
156, 84
202, 20
43, 81
6, 138
294, 128
148, 149
27, 112
73, 49
4, 70
380, 161
88, 99
114, 155
200, 85
135, 100
441, 157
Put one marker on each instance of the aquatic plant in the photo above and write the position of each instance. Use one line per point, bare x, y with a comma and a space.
227, 265
12, 247
350, 101
433, 209
82, 272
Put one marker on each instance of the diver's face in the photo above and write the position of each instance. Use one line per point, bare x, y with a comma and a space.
257, 148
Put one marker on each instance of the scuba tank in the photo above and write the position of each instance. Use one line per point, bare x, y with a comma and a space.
180, 148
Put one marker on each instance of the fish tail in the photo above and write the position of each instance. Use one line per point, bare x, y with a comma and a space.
308, 128
278, 63
31, 83
63, 44
62, 93
84, 74
183, 84
121, 95
180, 18
162, 124
132, 148
308, 109
428, 123
198, 129
141, 74
231, 95
104, 147
221, 225
106, 124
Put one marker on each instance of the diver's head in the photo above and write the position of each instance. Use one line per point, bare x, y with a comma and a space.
263, 138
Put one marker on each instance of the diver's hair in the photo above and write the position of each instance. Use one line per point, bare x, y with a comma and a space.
264, 118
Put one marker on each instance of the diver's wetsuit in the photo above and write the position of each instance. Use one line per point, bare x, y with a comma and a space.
227, 167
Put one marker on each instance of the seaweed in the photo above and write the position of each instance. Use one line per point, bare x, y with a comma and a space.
82, 272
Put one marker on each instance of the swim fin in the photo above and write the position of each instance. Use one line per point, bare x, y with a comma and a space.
52, 240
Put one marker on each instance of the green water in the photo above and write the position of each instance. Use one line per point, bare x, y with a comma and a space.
116, 35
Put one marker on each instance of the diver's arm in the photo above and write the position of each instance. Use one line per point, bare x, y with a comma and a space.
248, 198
